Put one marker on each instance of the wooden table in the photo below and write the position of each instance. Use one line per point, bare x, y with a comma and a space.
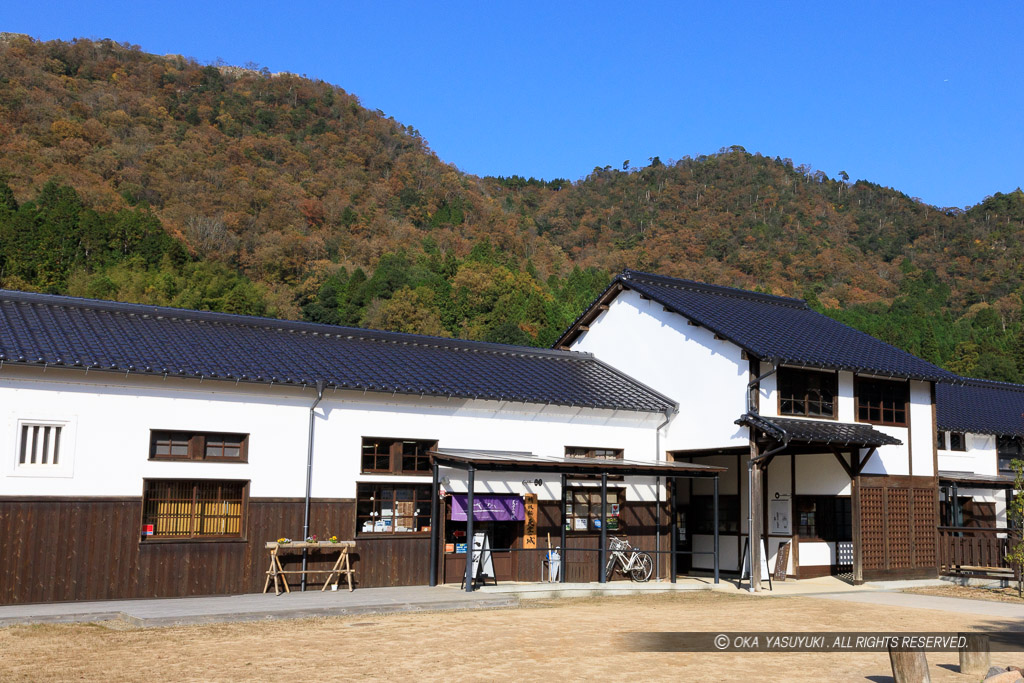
275, 570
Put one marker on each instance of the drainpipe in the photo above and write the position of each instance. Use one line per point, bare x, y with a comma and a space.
755, 385
309, 476
657, 490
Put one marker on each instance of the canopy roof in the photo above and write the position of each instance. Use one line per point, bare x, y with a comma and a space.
520, 461
824, 432
972, 480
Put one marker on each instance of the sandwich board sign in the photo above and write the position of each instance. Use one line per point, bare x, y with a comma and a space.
483, 564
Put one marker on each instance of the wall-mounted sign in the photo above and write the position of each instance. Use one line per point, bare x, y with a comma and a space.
615, 509
779, 516
580, 523
147, 529
530, 521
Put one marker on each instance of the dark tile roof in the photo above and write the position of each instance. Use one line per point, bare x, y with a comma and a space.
778, 327
980, 406
818, 431
518, 461
37, 329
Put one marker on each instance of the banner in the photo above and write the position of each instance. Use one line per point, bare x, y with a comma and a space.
489, 507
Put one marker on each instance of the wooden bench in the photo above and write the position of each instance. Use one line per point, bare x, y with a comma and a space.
277, 573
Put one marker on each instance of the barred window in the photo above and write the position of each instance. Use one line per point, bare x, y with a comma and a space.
184, 509
172, 445
39, 444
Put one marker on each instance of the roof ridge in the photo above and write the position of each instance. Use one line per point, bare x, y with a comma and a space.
723, 290
261, 322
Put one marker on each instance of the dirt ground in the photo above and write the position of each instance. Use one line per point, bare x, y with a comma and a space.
557, 640
970, 592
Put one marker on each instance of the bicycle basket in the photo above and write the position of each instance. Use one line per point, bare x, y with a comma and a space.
617, 544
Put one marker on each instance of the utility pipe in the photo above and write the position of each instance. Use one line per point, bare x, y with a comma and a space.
309, 476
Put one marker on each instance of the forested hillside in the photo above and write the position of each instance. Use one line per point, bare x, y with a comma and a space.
146, 178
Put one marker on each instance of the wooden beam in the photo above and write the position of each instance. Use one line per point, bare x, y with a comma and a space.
584, 328
842, 461
603, 307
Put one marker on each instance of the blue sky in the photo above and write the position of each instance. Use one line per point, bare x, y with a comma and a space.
923, 97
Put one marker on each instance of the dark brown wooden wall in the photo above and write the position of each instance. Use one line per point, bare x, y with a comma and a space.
898, 526
89, 549
57, 549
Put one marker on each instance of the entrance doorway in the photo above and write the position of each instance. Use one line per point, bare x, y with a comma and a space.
501, 537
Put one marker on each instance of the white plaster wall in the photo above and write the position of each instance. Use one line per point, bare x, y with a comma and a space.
817, 553
979, 458
922, 429
820, 475
113, 416
706, 376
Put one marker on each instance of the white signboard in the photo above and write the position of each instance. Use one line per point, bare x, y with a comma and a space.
779, 516
483, 565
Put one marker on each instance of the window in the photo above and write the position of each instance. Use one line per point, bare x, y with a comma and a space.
940, 440
396, 456
583, 509
1008, 449
183, 509
392, 508
168, 445
599, 453
703, 514
882, 401
824, 518
957, 441
804, 392
39, 445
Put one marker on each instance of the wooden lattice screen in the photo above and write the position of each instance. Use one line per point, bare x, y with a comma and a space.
898, 526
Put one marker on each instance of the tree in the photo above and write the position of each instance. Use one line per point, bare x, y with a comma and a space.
1015, 519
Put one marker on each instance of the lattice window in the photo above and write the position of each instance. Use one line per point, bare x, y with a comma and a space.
925, 524
899, 529
39, 445
193, 509
872, 527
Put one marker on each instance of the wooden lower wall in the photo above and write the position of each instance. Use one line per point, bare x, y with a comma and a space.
896, 524
55, 549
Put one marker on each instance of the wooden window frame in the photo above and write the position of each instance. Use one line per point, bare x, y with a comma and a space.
800, 529
1001, 455
197, 443
396, 455
31, 454
940, 440
570, 517
807, 399
592, 452
194, 535
859, 386
958, 442
421, 497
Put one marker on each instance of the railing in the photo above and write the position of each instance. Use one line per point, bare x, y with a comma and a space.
975, 550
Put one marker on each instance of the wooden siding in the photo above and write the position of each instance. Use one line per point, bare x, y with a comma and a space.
57, 549
898, 520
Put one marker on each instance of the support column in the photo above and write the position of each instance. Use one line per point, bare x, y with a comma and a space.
858, 540
469, 530
602, 553
756, 522
715, 516
434, 523
673, 546
563, 561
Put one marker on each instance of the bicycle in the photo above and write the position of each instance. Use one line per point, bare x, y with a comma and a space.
638, 565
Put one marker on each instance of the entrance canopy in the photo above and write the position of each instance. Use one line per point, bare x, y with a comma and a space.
473, 461
819, 432
976, 481
519, 461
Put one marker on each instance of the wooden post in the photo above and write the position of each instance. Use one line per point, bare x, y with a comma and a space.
855, 533
909, 666
757, 515
974, 657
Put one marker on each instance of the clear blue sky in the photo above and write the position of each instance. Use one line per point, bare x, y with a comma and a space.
926, 97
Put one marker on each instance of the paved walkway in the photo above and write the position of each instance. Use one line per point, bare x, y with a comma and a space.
258, 607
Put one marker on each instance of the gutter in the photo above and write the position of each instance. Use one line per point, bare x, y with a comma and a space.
669, 414
309, 476
755, 385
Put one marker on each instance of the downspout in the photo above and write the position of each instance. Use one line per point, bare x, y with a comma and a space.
755, 385
669, 414
309, 476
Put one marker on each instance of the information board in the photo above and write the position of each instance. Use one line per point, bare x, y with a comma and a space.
483, 564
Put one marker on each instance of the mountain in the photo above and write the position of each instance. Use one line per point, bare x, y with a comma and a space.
139, 177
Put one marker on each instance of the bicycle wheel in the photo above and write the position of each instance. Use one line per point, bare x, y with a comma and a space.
643, 565
609, 568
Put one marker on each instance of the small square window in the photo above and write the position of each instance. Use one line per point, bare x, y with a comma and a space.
43, 448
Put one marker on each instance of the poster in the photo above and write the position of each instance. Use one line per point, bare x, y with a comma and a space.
778, 515
580, 524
